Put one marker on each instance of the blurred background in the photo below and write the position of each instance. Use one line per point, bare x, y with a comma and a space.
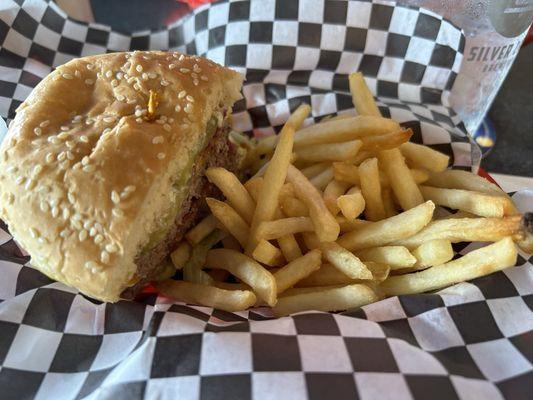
511, 114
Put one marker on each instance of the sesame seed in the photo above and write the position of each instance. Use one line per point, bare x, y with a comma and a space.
10, 198
188, 108
136, 87
71, 199
49, 158
195, 82
190, 98
120, 75
172, 66
111, 248
42, 240
77, 73
66, 213
114, 83
152, 75
121, 97
158, 140
139, 120
44, 206
19, 180
63, 135
108, 74
117, 212
77, 216
177, 108
171, 120
99, 227
85, 160
115, 198
98, 239
130, 188
67, 76
164, 83
54, 202
92, 266
87, 225
167, 127
30, 184
53, 139
70, 144
181, 57
92, 232
64, 233
90, 67
70, 156
194, 75
182, 94
11, 169
161, 155
204, 78
44, 124
55, 211
83, 235
138, 113
185, 70
37, 131
184, 126
109, 119
127, 65
139, 68
76, 224
144, 76
104, 257
130, 79
61, 156
34, 234
88, 168
84, 139
106, 130
37, 170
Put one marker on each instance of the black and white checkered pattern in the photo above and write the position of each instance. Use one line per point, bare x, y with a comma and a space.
470, 341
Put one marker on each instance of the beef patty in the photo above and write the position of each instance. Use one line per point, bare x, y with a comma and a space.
219, 152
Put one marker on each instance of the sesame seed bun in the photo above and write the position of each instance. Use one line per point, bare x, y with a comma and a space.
86, 171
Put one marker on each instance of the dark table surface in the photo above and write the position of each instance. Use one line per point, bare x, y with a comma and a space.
511, 113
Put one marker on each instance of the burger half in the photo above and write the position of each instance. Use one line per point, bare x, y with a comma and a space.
102, 171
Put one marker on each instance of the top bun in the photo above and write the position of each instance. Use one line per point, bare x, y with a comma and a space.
84, 171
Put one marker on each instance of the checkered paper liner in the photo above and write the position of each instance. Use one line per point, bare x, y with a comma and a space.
470, 341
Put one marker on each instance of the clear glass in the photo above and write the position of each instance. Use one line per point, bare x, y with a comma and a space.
494, 31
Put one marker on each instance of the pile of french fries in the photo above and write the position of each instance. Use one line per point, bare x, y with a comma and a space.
341, 214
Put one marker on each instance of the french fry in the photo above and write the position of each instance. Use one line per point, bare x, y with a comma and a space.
419, 175
466, 230
362, 156
460, 214
434, 252
192, 270
209, 296
326, 226
389, 230
273, 180
332, 192
346, 172
289, 247
311, 240
253, 186
397, 257
287, 190
400, 178
344, 130
425, 157
293, 207
329, 151
347, 225
388, 203
298, 116
481, 262
459, 179
236, 194
247, 270
351, 296
351, 205
386, 141
311, 289
201, 230
380, 271
315, 169
268, 254
296, 270
371, 190
345, 261
321, 180
229, 242
181, 255
285, 226
481, 204
266, 145
361, 96
229, 285
230, 219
